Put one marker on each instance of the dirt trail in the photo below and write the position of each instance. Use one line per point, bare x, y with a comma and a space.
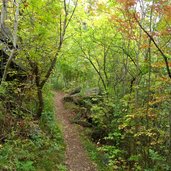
76, 156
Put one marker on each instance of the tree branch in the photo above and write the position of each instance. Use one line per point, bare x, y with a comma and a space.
156, 45
62, 35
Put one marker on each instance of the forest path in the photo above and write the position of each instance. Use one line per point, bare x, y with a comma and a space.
76, 158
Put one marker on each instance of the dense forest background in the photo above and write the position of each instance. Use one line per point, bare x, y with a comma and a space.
116, 52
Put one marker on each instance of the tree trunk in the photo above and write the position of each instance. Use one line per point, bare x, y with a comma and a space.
40, 102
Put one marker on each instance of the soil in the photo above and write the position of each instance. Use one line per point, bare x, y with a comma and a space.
76, 158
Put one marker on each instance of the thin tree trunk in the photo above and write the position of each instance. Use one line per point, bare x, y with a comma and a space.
14, 41
3, 13
40, 102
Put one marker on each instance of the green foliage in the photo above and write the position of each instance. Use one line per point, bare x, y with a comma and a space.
126, 53
96, 156
114, 52
31, 145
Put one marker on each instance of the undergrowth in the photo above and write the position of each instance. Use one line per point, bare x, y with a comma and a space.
33, 145
98, 158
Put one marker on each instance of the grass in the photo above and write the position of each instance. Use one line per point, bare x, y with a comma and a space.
92, 149
52, 128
